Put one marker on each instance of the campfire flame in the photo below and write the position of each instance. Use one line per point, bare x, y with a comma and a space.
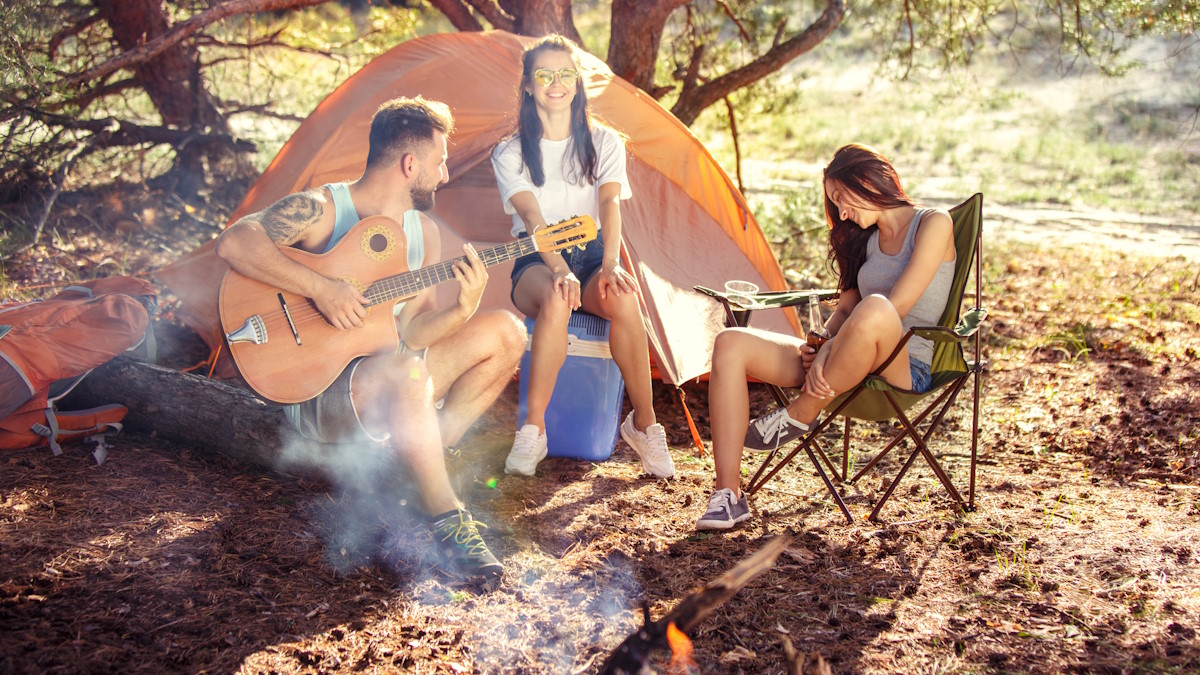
681, 650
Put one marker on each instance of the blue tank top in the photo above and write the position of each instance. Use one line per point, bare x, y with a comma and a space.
345, 216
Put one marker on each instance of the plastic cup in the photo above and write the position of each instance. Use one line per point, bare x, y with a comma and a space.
741, 293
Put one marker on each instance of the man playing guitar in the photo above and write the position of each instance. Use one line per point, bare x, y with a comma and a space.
455, 355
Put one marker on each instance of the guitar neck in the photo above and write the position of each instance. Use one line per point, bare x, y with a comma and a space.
408, 284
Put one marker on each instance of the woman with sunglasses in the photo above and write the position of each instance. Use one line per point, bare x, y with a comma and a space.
895, 265
561, 164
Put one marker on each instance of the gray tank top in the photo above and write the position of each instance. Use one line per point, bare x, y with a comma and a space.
880, 271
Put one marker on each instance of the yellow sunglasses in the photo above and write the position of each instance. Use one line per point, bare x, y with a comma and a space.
545, 76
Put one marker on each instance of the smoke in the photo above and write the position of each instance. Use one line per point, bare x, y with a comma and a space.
368, 495
556, 614
373, 512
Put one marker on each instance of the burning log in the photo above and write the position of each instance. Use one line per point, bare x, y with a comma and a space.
633, 654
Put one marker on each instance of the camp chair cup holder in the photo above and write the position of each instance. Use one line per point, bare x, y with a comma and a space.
874, 399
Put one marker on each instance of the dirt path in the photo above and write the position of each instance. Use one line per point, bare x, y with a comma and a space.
1146, 235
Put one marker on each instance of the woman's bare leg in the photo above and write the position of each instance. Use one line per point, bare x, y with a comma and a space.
534, 295
629, 346
740, 353
866, 338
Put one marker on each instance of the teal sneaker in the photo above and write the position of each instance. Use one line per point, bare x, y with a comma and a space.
460, 548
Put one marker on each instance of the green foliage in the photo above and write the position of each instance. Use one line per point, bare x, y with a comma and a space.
933, 35
258, 90
794, 223
22, 69
265, 97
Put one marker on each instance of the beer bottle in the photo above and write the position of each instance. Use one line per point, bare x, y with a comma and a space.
817, 335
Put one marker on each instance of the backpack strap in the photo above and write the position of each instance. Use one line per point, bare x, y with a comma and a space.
49, 430
80, 289
97, 434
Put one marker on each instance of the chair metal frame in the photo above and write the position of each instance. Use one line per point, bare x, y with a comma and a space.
955, 329
740, 317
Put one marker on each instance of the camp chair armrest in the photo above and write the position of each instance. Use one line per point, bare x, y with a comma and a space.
970, 322
965, 328
937, 333
774, 299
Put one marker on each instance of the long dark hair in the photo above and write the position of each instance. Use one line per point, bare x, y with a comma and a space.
529, 125
872, 179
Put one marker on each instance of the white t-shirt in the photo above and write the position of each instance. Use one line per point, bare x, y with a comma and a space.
566, 193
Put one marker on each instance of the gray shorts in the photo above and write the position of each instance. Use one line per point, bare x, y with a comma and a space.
331, 417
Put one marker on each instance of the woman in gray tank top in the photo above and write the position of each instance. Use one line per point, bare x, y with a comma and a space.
895, 263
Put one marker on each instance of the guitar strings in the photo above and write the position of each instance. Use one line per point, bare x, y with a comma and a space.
411, 283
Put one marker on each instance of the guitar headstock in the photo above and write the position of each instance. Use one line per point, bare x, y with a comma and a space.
572, 232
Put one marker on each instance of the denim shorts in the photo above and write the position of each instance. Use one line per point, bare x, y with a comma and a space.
584, 264
921, 379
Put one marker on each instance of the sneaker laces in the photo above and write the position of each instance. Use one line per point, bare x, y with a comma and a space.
465, 534
722, 499
656, 443
774, 426
525, 443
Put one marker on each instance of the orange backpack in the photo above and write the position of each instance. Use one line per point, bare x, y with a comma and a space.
48, 346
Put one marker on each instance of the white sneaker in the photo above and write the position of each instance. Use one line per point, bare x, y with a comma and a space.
529, 448
651, 446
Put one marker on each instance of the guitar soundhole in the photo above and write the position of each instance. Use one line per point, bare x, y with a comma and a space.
378, 243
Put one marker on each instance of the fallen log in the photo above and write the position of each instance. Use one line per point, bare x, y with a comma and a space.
203, 414
633, 654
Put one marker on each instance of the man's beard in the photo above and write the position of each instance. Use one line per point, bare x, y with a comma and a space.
422, 197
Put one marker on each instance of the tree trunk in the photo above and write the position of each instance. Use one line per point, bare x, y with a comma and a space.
636, 33
196, 412
172, 80
542, 17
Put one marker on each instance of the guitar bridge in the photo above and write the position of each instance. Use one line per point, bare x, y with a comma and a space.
254, 331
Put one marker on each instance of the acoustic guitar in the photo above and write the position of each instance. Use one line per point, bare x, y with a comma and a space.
288, 352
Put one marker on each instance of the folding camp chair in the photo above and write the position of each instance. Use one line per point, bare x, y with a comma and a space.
737, 313
875, 400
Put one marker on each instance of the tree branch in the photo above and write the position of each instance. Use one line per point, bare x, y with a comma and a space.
60, 178
912, 47
70, 31
737, 148
86, 98
692, 102
112, 132
495, 14
459, 15
692, 75
182, 31
632, 655
736, 21
238, 108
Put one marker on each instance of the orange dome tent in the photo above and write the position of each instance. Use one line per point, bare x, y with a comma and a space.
686, 224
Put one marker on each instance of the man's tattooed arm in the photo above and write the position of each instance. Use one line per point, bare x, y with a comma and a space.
286, 220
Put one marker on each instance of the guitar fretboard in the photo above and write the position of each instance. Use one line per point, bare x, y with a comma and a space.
410, 283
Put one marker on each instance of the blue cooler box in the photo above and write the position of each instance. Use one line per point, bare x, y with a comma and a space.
584, 415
